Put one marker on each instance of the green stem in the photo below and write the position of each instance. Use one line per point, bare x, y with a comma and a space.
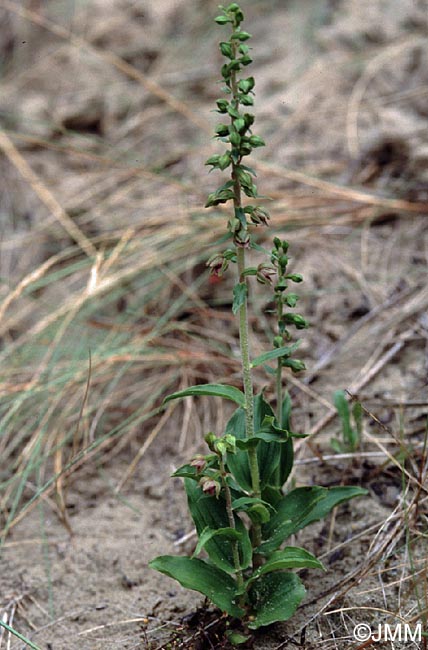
279, 393
231, 518
279, 387
244, 339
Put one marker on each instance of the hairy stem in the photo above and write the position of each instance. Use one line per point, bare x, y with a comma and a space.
244, 340
279, 387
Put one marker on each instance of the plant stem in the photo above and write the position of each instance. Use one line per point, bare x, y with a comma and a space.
231, 518
279, 387
243, 336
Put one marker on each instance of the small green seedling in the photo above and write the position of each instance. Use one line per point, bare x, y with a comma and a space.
351, 421
235, 492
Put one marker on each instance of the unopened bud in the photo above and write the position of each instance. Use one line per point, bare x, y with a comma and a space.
260, 216
199, 463
265, 273
210, 439
295, 364
209, 486
217, 265
242, 239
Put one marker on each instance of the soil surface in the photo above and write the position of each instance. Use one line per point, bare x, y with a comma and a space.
109, 103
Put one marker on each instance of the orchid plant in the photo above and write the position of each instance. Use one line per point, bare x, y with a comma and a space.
236, 492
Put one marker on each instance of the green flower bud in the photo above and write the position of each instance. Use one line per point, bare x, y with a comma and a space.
291, 299
295, 277
241, 36
222, 105
246, 85
222, 130
256, 141
239, 125
281, 285
210, 438
245, 149
295, 364
278, 342
245, 60
233, 112
297, 320
224, 161
213, 160
222, 20
235, 138
246, 100
283, 261
249, 120
226, 50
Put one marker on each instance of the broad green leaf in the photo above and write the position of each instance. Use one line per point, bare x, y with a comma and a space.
301, 507
290, 557
333, 497
268, 453
239, 296
260, 437
209, 533
209, 512
237, 463
275, 597
292, 510
214, 390
198, 575
284, 351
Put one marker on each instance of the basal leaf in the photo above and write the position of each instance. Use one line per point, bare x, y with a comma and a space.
275, 597
198, 575
291, 511
333, 497
290, 557
301, 507
214, 390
